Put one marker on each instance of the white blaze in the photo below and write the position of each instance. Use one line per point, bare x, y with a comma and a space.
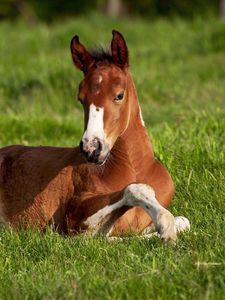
95, 126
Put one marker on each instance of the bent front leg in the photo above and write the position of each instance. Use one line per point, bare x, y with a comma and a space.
140, 195
144, 196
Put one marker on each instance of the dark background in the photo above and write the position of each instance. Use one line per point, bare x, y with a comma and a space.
47, 10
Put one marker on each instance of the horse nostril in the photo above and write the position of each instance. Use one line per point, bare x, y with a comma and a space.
92, 150
97, 144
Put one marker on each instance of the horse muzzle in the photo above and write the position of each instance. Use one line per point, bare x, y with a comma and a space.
93, 150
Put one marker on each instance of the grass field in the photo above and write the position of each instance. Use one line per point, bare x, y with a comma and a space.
179, 71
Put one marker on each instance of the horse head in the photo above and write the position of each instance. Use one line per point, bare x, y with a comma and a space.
104, 95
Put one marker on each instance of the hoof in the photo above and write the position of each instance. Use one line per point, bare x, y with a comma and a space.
166, 226
182, 224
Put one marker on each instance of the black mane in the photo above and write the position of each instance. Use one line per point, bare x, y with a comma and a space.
100, 54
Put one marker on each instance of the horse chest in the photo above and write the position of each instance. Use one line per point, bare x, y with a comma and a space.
89, 182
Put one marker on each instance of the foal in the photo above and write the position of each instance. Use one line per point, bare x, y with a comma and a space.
111, 184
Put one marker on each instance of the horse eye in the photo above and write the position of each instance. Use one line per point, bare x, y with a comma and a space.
119, 96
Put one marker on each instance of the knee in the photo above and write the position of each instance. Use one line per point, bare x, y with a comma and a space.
139, 190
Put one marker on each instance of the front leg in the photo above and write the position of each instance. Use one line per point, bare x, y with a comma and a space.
137, 194
144, 196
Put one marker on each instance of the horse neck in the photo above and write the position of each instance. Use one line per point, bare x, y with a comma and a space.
133, 147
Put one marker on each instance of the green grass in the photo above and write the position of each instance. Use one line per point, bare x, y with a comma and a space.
179, 71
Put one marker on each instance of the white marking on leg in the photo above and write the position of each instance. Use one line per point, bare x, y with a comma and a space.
139, 194
144, 196
181, 223
93, 221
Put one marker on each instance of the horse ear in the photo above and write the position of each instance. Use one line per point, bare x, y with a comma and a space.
81, 57
119, 49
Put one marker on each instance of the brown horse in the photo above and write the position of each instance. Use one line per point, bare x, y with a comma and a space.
112, 184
